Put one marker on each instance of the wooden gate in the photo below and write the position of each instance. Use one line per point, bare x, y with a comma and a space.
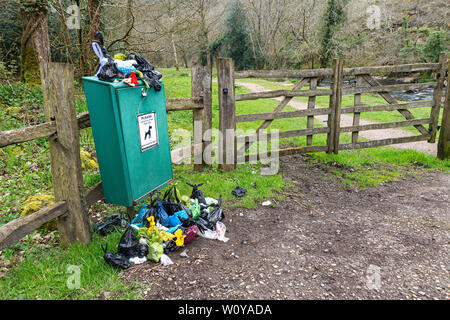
364, 82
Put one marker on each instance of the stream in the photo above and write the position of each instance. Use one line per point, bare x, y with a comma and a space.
409, 95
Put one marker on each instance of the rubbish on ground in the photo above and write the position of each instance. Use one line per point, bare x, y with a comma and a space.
115, 259
110, 224
139, 219
155, 251
215, 215
170, 246
195, 209
137, 260
185, 200
220, 231
165, 260
191, 232
129, 245
267, 203
210, 201
197, 193
166, 236
166, 225
173, 229
239, 192
162, 215
173, 221
219, 234
143, 250
120, 56
184, 254
179, 238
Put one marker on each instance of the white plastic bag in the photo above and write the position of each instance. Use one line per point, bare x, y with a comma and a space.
219, 234
137, 260
165, 260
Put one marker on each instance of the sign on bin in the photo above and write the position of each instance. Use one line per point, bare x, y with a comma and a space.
148, 131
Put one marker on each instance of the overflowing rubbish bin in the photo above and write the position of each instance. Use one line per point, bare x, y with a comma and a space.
127, 109
129, 126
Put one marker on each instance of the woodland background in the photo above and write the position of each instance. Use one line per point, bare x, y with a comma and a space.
258, 34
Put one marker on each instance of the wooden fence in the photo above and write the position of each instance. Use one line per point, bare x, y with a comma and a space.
62, 129
365, 82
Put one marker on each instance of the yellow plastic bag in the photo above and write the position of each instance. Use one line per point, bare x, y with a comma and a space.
180, 238
166, 236
151, 219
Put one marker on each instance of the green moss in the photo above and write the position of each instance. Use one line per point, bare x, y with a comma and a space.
87, 162
30, 67
36, 203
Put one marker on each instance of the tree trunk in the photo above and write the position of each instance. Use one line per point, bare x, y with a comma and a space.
35, 45
88, 59
175, 53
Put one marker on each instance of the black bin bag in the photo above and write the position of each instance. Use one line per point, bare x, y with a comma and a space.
197, 193
109, 71
129, 245
239, 192
115, 259
215, 215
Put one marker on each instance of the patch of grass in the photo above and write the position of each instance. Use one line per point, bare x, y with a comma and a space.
372, 167
25, 171
217, 182
45, 274
20, 105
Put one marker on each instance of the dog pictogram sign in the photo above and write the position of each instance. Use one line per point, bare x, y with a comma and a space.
148, 131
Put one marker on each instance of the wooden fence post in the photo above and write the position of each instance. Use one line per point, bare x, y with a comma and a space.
437, 97
444, 135
227, 113
311, 105
334, 118
202, 88
59, 106
357, 115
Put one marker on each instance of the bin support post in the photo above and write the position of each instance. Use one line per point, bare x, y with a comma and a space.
59, 106
202, 88
227, 115
444, 135
131, 213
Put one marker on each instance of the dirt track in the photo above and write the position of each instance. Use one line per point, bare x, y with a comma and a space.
347, 121
325, 241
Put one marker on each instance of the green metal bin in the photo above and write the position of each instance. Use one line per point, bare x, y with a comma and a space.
129, 126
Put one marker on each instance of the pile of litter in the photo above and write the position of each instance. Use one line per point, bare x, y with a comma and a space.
129, 68
165, 226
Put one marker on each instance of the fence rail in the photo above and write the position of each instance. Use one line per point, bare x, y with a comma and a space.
326, 72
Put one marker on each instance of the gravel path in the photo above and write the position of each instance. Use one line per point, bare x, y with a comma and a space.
325, 240
347, 121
